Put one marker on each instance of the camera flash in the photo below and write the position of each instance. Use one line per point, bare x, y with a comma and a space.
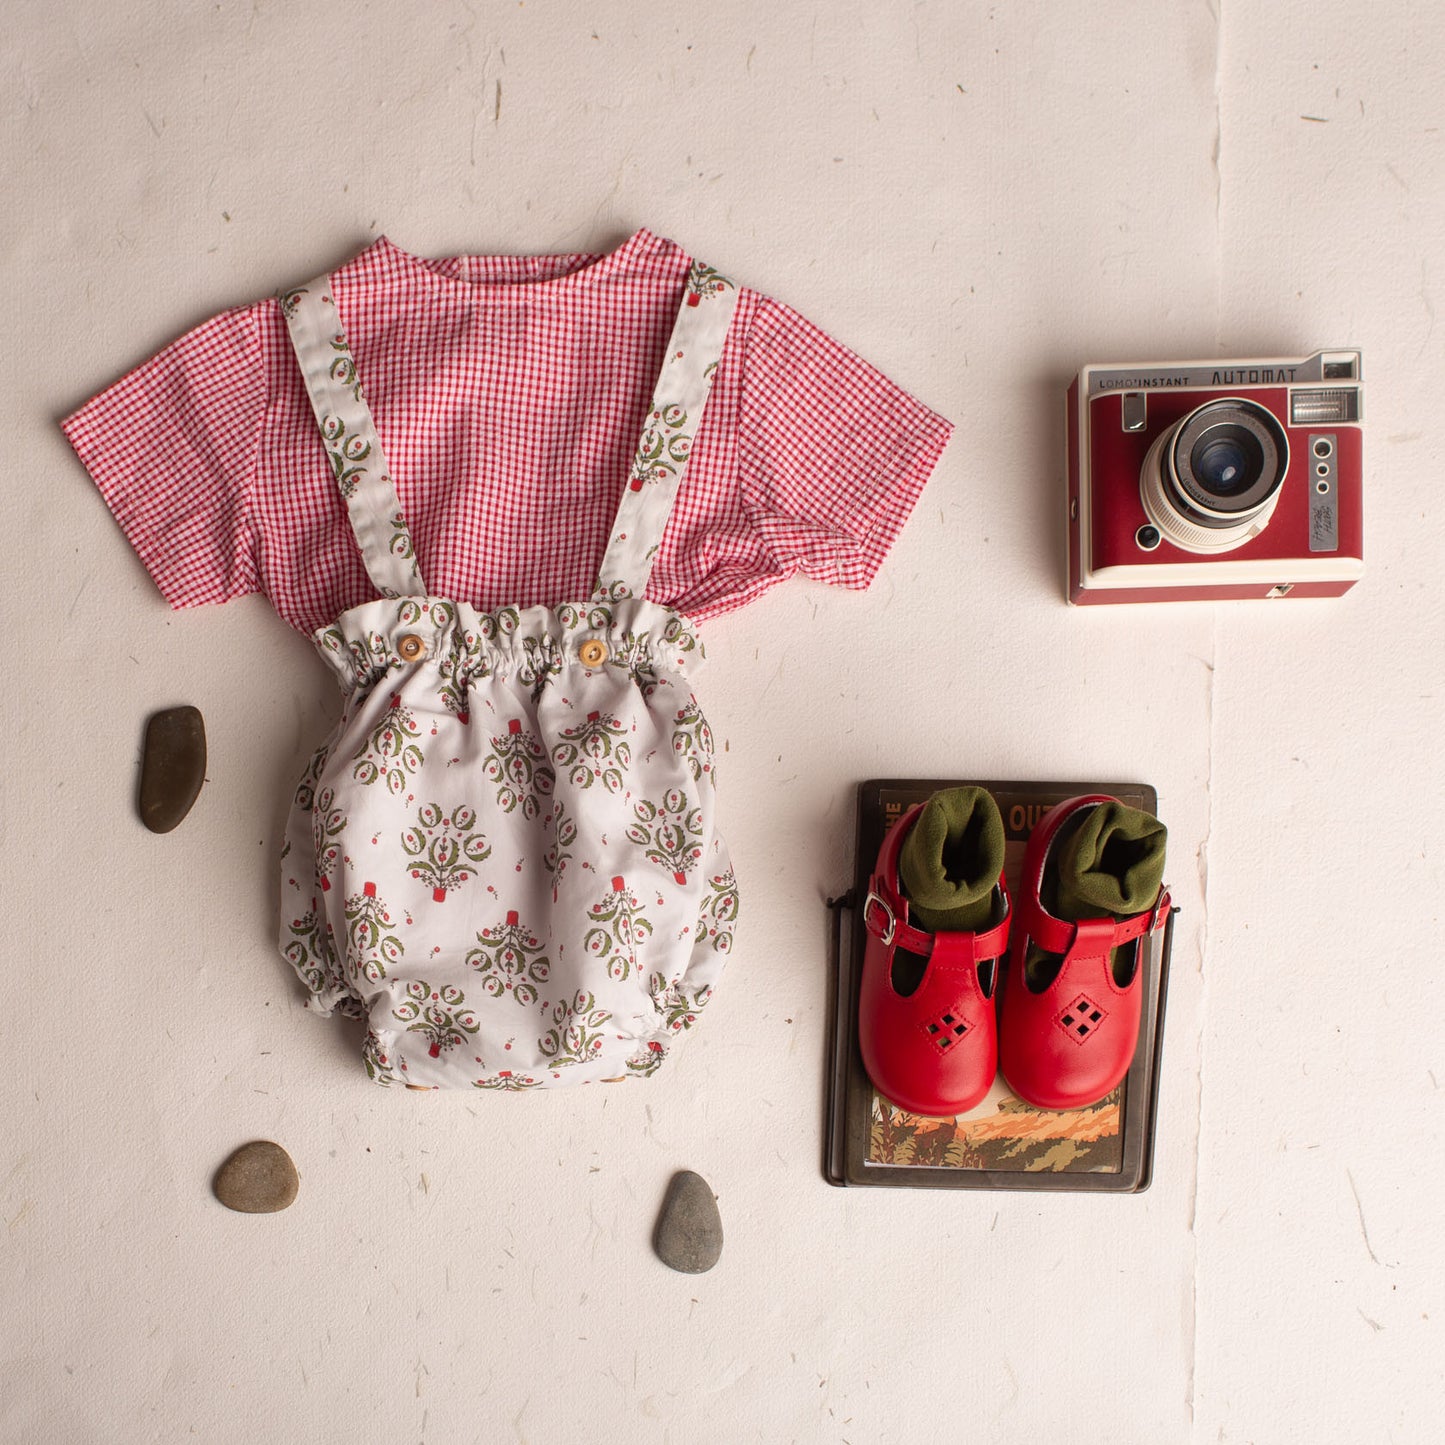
1326, 404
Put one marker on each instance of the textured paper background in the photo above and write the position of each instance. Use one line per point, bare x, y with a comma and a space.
979, 198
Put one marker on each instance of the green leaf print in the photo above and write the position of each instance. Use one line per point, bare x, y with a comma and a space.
343, 367
305, 797
559, 851
576, 1035
369, 926
595, 750
290, 299
618, 926
400, 540
677, 1008
719, 912
509, 958
517, 764
647, 1060
379, 1067
507, 1081
308, 949
389, 752
677, 635
692, 739
371, 659
704, 282
670, 833
444, 849
348, 451
502, 623
439, 1013
328, 824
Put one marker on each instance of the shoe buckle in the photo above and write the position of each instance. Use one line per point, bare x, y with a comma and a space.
1159, 904
890, 927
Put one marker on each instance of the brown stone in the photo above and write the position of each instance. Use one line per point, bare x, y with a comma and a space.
259, 1178
173, 767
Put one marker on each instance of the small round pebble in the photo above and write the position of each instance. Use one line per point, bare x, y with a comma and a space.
689, 1236
173, 767
259, 1178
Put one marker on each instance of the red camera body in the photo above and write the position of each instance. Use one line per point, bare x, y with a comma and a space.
1206, 480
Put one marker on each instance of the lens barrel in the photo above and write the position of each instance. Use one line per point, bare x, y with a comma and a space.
1211, 481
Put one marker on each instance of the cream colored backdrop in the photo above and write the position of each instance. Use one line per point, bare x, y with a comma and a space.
979, 198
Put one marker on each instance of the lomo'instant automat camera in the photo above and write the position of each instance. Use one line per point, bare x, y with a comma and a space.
1215, 479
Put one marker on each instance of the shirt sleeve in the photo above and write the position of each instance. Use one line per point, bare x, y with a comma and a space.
172, 446
832, 454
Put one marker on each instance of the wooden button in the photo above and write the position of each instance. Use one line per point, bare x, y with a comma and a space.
411, 647
593, 653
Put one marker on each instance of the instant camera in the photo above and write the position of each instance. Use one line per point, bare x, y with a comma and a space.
1215, 480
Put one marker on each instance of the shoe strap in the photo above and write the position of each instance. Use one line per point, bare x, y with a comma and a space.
1091, 936
885, 912
885, 916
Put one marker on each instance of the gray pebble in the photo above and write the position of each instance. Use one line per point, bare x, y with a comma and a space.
259, 1178
689, 1236
173, 767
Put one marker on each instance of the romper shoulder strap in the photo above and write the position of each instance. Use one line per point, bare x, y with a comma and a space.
673, 420
349, 434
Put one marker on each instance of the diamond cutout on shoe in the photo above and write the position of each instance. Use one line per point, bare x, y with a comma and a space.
946, 1031
1081, 1018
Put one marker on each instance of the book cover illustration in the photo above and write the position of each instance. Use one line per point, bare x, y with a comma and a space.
1002, 1133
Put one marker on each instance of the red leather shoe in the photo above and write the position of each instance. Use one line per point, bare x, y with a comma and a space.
1069, 1022
932, 1049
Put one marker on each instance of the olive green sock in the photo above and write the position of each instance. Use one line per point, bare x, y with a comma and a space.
950, 861
1110, 866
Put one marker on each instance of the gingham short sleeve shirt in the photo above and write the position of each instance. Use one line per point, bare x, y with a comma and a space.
509, 393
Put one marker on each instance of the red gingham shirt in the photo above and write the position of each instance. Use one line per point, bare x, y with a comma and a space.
509, 393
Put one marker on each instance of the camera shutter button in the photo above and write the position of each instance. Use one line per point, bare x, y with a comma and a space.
1147, 537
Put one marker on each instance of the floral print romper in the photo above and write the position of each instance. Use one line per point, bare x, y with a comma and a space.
505, 858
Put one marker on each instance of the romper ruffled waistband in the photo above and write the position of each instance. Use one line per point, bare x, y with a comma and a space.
522, 644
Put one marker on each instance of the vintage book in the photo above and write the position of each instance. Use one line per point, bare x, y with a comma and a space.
1004, 1143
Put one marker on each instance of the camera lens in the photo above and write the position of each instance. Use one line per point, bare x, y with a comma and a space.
1228, 459
1211, 480
1225, 462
